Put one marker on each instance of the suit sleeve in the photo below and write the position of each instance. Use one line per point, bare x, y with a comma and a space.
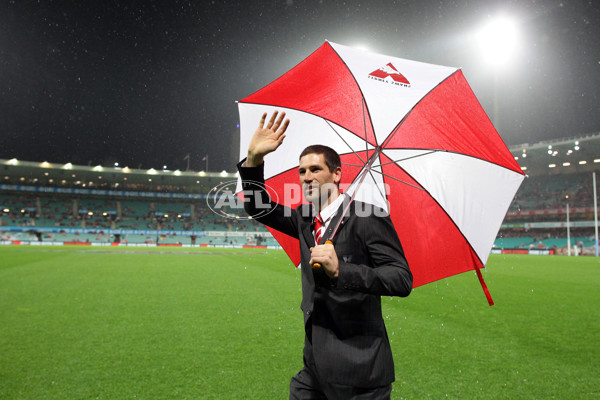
389, 273
258, 203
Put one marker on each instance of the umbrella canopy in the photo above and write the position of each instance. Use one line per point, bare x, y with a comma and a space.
413, 133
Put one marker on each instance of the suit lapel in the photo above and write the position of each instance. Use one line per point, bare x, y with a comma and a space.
334, 221
307, 224
307, 229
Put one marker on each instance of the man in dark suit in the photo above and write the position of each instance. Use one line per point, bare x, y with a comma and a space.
347, 354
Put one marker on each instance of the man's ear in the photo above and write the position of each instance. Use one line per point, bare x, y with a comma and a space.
337, 175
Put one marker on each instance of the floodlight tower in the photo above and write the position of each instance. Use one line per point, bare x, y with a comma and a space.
498, 41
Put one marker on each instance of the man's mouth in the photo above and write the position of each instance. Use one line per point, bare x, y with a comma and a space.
310, 189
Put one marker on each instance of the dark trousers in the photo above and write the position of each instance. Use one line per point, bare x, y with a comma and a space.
306, 385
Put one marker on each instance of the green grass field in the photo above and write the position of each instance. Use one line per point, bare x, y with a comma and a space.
88, 323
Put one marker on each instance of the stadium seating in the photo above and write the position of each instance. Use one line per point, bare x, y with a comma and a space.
131, 219
39, 210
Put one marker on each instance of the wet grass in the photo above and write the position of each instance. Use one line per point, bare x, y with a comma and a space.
225, 324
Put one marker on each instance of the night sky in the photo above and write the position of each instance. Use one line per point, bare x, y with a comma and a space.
144, 83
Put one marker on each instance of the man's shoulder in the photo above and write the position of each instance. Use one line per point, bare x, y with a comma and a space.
366, 210
305, 210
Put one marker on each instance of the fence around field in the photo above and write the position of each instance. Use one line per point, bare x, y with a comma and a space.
135, 237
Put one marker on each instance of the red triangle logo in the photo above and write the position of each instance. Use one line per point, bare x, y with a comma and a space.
389, 71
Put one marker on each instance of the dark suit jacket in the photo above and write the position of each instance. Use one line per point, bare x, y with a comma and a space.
342, 317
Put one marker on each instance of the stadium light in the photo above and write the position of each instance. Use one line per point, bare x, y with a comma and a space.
97, 168
498, 40
177, 172
126, 170
68, 166
13, 161
45, 164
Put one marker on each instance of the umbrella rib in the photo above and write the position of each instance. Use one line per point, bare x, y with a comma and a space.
397, 128
401, 181
353, 165
409, 158
343, 140
362, 103
377, 186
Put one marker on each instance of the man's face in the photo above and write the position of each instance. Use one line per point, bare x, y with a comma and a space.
318, 183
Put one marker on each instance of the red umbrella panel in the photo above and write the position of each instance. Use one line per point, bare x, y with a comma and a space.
416, 137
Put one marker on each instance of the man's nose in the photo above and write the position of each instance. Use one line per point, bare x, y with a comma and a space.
308, 176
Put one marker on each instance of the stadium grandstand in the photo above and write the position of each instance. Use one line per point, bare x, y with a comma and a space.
44, 203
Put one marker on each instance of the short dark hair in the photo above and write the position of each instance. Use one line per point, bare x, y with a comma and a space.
332, 158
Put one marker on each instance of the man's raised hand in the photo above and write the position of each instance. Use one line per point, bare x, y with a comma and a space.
266, 139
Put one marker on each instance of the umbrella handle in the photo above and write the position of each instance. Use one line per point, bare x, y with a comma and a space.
318, 265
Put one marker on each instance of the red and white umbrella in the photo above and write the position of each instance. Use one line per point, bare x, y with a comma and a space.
417, 137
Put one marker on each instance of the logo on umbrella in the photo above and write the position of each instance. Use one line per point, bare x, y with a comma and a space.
389, 71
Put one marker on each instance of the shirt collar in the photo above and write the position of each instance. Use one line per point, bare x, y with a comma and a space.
328, 212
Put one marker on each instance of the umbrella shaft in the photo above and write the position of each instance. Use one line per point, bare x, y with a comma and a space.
363, 173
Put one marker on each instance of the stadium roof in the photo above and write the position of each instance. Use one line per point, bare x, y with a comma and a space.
19, 172
560, 156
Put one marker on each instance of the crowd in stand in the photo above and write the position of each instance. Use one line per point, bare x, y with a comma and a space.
547, 195
21, 210
554, 192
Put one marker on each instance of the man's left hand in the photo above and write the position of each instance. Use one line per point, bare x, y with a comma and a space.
325, 255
